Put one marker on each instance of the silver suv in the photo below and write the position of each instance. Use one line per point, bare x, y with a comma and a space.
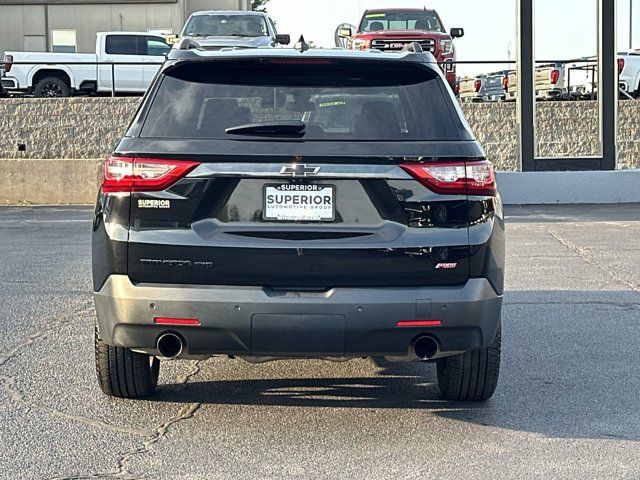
216, 29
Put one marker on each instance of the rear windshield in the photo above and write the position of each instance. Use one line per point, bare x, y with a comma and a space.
334, 102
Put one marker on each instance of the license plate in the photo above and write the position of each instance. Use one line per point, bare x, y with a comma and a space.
299, 203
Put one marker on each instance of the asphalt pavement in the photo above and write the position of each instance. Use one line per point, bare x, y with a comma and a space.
567, 404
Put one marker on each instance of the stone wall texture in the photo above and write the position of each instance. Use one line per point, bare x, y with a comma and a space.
89, 128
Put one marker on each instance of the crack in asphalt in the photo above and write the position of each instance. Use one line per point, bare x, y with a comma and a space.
630, 306
38, 334
585, 254
8, 386
121, 470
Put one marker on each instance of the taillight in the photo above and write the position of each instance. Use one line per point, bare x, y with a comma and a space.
455, 178
127, 174
477, 85
505, 82
555, 76
620, 65
8, 63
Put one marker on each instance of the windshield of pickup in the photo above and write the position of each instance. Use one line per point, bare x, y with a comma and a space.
426, 20
216, 25
309, 99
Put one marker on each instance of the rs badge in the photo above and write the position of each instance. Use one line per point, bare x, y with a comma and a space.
446, 266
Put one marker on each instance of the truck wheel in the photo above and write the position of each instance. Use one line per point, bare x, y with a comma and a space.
472, 375
50, 87
124, 373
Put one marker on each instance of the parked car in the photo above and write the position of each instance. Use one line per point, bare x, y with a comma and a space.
3, 92
391, 29
471, 89
549, 83
66, 74
491, 87
629, 73
213, 30
228, 223
582, 78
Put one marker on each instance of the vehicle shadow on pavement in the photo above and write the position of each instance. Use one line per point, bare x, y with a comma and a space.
395, 385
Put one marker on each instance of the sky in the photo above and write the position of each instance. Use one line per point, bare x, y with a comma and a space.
564, 28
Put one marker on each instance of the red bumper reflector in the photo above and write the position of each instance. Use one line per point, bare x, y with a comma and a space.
419, 323
177, 321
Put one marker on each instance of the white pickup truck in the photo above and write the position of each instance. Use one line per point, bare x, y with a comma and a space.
629, 68
583, 76
66, 74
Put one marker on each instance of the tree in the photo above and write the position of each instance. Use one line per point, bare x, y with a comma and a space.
259, 5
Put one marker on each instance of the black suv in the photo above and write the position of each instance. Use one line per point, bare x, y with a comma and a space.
282, 203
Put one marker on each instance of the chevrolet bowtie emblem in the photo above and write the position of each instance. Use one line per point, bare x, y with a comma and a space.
299, 170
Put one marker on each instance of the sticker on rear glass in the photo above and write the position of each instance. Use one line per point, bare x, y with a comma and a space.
332, 104
376, 15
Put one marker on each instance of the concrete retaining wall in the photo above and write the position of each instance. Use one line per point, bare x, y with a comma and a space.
65, 139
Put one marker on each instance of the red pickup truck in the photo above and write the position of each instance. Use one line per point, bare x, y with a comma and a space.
391, 29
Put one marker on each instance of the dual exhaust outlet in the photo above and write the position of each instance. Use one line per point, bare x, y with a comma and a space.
171, 345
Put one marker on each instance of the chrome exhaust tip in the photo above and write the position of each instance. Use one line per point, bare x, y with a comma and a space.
170, 345
425, 347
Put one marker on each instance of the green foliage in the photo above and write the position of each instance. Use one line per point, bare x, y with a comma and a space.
259, 5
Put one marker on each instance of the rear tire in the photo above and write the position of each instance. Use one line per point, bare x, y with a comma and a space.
51, 87
123, 373
471, 376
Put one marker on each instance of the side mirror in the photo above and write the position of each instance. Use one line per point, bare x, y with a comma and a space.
457, 32
283, 39
345, 32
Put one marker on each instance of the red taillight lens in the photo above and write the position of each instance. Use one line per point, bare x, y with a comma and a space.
555, 76
177, 321
8, 63
455, 178
127, 174
477, 85
620, 65
505, 82
419, 323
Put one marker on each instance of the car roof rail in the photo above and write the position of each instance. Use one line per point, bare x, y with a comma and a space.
413, 47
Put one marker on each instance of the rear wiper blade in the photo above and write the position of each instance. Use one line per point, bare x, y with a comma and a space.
290, 128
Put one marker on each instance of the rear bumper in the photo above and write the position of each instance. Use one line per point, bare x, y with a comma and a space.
256, 321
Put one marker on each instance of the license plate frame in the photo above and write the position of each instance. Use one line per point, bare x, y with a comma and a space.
287, 213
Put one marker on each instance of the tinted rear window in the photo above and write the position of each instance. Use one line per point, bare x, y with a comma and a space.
336, 102
122, 45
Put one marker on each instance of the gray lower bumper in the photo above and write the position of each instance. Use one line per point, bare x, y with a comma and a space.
342, 322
